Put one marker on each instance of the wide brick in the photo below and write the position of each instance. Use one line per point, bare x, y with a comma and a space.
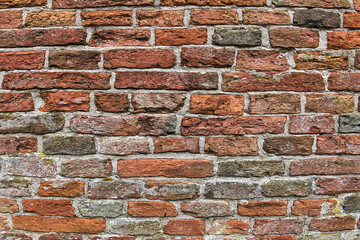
339, 185
112, 102
167, 80
22, 3
289, 145
351, 19
176, 144
101, 208
232, 125
329, 103
134, 227
286, 188
49, 207
22, 60
160, 18
262, 208
213, 2
15, 187
157, 102
8, 205
40, 124
313, 18
10, 19
296, 81
294, 38
217, 104
151, 209
322, 60
114, 189
16, 102
187, 227
349, 123
230, 190
278, 226
42, 37
31, 167
207, 209
172, 190
231, 146
311, 124
329, 224
123, 146
99, 3
325, 166
120, 37
350, 204
192, 168
16, 145
61, 188
73, 59
312, 3
50, 19
229, 226
112, 17
274, 104
344, 81
86, 168
265, 17
65, 101
176, 37
124, 126
139, 58
207, 57
53, 224
63, 80
72, 145
314, 207
214, 17
343, 40
338, 144
263, 60
237, 36
240, 168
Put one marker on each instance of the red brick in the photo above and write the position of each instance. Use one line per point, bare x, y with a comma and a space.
65, 101
160, 18
351, 19
10, 19
274, 104
329, 103
338, 144
265, 17
22, 3
4, 223
231, 146
99, 3
176, 144
314, 207
262, 208
232, 125
8, 206
217, 104
120, 37
207, 57
192, 168
64, 80
294, 38
297, 81
326, 166
167, 80
278, 226
157, 102
49, 207
74, 59
186, 227
61, 188
331, 224
139, 58
314, 3
214, 17
213, 2
50, 19
54, 224
21, 60
151, 209
176, 37
311, 124
357, 5
16, 102
339, 185
229, 226
289, 145
112, 102
322, 60
263, 60
100, 18
343, 40
344, 81
15, 145
42, 37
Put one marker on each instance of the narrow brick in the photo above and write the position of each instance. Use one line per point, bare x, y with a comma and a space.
50, 19
237, 36
176, 144
120, 37
265, 17
73, 145
114, 189
294, 38
314, 207
262, 60
187, 227
123, 146
329, 103
112, 102
160, 18
229, 226
343, 40
231, 146
230, 190
286, 188
61, 188
207, 57
289, 145
311, 124
157, 102
322, 60
151, 209
16, 145
49, 207
240, 168
172, 190
344, 81
99, 3
338, 144
262, 208
104, 18
278, 226
31, 167
31, 60
274, 104
312, 3
217, 104
214, 17
65, 101
316, 18
86, 168
73, 59
10, 19
330, 224
213, 3
177, 37
16, 102
326, 166
338, 185
8, 205
21, 3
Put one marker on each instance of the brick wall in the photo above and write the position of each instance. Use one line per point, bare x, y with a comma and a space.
179, 119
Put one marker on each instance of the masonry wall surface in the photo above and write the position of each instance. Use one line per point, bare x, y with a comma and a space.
179, 119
